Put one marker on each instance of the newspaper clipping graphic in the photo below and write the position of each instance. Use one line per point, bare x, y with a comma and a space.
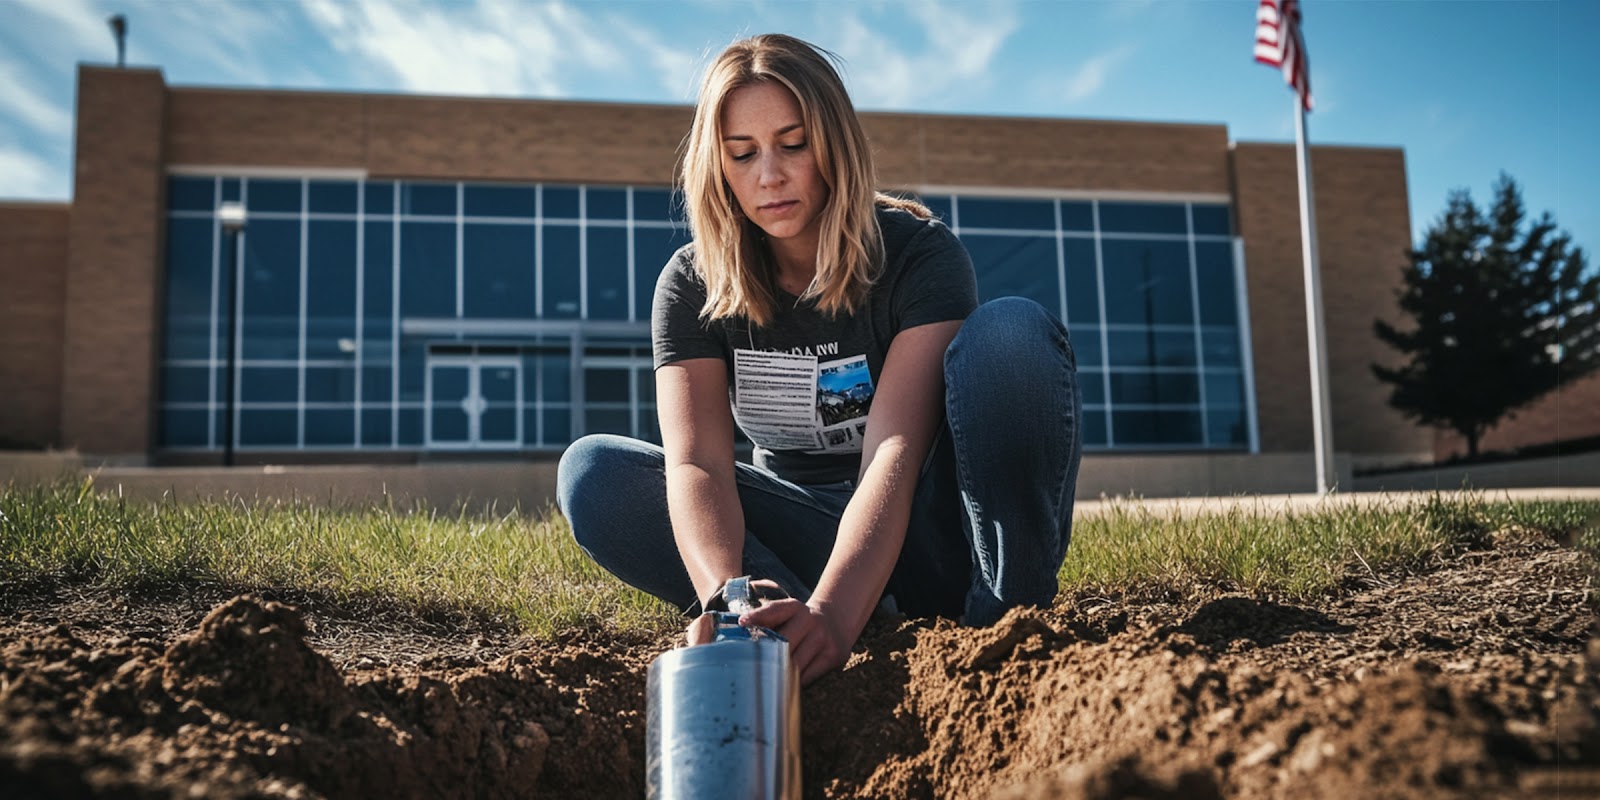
784, 401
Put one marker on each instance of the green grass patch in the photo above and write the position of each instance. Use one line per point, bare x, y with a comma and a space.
1300, 555
526, 569
515, 567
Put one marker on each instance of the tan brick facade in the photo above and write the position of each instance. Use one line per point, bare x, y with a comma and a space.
114, 260
1363, 230
1572, 412
33, 241
131, 129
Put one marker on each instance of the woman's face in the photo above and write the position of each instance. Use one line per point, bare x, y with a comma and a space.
767, 160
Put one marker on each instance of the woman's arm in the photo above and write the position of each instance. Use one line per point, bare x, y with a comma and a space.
906, 409
702, 499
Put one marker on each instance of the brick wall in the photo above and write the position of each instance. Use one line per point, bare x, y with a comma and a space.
33, 237
536, 140
114, 258
1363, 230
1572, 412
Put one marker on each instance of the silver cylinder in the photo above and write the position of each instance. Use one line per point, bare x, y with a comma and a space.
724, 721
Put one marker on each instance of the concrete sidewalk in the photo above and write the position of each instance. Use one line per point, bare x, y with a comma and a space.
1306, 503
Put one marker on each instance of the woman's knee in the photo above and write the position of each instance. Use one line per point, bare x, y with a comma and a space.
601, 473
1011, 335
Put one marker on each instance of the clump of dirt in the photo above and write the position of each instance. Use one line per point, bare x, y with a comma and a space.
243, 707
1477, 679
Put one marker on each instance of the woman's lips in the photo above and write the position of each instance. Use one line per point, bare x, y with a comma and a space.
780, 207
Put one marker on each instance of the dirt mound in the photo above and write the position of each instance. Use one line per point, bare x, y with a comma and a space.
243, 707
1470, 681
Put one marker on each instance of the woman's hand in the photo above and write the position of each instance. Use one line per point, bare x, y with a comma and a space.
701, 631
818, 643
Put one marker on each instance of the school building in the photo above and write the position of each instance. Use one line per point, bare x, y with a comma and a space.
439, 279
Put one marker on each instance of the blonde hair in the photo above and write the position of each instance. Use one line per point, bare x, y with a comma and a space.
730, 254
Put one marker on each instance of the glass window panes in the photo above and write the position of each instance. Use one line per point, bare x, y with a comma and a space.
330, 427
608, 289
1143, 387
1226, 427
656, 205
186, 193
331, 384
379, 197
191, 245
498, 271
270, 307
185, 384
1077, 215
1086, 344
652, 248
264, 194
183, 427
1156, 427
277, 429
428, 199
1117, 217
269, 384
1152, 312
1083, 281
332, 197
561, 272
331, 288
427, 269
1211, 220
607, 203
496, 200
561, 202
1147, 282
376, 427
1213, 267
1224, 390
994, 212
1024, 266
377, 383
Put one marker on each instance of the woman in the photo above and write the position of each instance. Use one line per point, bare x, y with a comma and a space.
910, 451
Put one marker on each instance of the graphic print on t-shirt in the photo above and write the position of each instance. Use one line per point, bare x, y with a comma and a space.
784, 401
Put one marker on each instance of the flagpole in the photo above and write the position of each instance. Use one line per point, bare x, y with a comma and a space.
1316, 334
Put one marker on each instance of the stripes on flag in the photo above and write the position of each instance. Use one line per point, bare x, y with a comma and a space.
1280, 44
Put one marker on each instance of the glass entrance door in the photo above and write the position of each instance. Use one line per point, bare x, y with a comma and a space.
474, 402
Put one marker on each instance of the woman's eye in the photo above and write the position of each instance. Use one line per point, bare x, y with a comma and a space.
741, 156
795, 147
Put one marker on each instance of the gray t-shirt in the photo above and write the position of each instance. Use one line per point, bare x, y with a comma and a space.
801, 387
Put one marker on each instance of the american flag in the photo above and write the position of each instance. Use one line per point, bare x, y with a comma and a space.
1279, 44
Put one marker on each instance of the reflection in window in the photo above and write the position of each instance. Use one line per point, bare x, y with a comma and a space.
497, 271
270, 309
1024, 266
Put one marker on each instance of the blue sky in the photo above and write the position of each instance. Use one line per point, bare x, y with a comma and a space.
1467, 87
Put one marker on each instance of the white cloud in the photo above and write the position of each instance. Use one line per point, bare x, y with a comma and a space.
957, 51
24, 174
83, 22
1091, 77
22, 102
492, 47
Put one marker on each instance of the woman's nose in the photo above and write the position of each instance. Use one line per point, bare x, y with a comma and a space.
771, 172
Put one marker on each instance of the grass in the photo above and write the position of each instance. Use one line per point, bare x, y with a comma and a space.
1301, 555
526, 568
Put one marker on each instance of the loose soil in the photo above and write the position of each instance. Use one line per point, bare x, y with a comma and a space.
1474, 678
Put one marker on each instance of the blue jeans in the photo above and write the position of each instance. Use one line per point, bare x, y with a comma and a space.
990, 521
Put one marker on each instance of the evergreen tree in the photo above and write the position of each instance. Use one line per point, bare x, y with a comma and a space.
1504, 313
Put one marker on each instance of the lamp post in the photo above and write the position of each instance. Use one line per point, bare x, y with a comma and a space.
119, 29
232, 218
